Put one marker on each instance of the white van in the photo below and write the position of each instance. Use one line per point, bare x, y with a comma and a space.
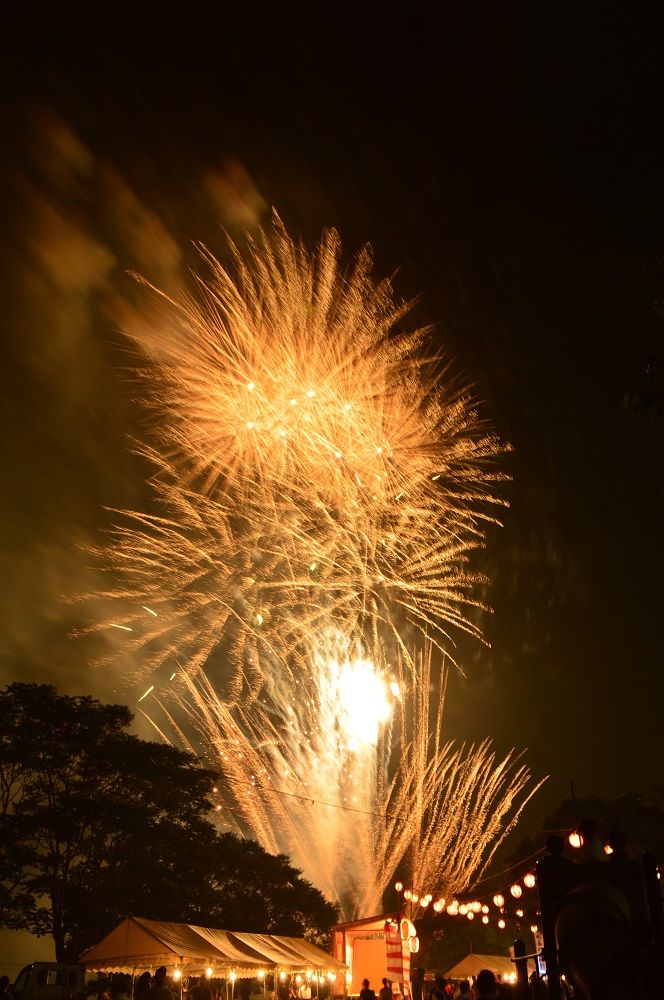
50, 981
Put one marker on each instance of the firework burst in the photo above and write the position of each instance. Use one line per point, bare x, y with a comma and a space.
321, 484
321, 470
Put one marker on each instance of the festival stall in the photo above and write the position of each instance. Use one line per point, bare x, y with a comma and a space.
375, 947
185, 949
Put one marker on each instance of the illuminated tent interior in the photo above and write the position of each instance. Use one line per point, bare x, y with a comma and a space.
146, 944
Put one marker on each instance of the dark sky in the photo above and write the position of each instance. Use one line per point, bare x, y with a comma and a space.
508, 159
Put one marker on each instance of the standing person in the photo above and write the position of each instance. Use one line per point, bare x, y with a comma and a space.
159, 989
283, 989
385, 992
417, 983
199, 990
439, 992
142, 985
366, 993
486, 985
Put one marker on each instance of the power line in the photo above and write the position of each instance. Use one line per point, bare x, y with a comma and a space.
308, 798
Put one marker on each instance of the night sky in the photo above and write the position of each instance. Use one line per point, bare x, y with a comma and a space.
508, 161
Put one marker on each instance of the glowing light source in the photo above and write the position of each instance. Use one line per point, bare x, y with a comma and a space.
529, 880
575, 839
608, 849
407, 894
177, 974
516, 890
501, 924
398, 886
485, 920
208, 972
534, 928
499, 900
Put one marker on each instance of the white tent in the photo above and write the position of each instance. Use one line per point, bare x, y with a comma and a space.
472, 964
145, 944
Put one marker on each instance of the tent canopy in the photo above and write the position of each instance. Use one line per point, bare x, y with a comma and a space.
143, 944
471, 965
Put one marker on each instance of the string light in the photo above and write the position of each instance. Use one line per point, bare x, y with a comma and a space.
516, 890
529, 880
499, 900
575, 839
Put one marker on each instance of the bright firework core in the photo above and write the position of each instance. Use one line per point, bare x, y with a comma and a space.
354, 696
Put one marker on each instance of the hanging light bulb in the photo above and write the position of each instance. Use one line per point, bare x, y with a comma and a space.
476, 906
470, 915
516, 890
485, 920
463, 909
498, 900
575, 839
485, 909
534, 928
398, 886
407, 894
519, 913
501, 924
529, 880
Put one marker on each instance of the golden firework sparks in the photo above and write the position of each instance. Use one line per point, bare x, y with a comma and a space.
321, 483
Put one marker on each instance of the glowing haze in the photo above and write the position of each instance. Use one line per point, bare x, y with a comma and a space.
321, 484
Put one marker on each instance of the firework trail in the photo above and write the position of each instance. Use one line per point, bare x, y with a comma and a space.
321, 485
314, 777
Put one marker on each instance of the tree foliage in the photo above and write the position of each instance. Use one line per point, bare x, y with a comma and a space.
96, 824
